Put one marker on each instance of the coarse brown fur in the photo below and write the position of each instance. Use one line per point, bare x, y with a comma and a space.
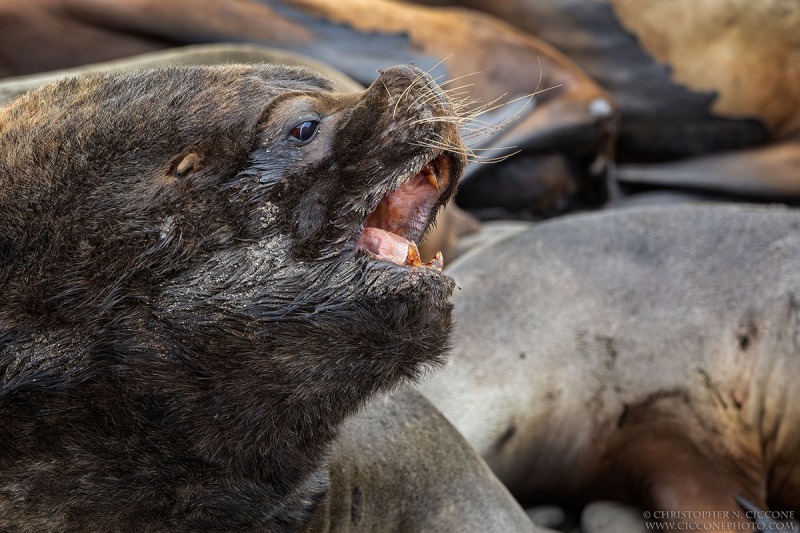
186, 319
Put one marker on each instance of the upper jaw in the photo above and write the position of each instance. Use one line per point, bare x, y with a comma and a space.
400, 219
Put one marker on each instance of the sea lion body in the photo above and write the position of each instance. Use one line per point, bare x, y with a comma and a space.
400, 466
649, 355
191, 307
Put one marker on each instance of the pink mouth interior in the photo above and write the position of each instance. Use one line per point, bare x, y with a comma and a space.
401, 216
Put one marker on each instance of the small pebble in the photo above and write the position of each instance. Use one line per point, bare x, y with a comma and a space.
546, 515
612, 517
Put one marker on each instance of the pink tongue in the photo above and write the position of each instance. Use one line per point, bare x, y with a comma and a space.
388, 246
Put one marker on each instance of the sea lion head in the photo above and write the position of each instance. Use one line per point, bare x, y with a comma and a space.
236, 243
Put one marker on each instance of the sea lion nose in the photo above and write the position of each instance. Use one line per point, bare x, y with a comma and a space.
408, 71
402, 80
406, 75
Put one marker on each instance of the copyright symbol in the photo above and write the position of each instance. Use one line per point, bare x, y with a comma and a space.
646, 515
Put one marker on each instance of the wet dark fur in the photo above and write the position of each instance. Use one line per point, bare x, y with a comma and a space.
180, 338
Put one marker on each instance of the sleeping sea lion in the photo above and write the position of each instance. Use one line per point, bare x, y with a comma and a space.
205, 271
400, 466
689, 77
648, 355
707, 91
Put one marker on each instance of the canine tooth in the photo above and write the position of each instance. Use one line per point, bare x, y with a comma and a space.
437, 262
433, 180
413, 258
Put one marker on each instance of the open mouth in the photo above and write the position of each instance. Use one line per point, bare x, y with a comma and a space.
393, 230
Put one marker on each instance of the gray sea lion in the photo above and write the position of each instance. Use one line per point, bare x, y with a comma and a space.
401, 466
648, 355
205, 271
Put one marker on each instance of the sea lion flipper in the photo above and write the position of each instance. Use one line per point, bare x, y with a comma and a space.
401, 462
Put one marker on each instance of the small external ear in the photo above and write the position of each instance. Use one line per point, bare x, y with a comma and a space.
191, 162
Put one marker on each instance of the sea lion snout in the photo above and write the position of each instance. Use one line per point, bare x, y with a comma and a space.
372, 177
415, 99
420, 121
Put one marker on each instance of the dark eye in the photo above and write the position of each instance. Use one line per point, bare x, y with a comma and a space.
305, 131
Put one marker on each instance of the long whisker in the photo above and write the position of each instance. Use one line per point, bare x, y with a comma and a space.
388, 93
466, 114
413, 83
451, 80
432, 97
471, 156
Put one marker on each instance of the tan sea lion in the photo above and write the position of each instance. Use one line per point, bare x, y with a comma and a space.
202, 282
648, 355
702, 79
689, 77
766, 173
753, 47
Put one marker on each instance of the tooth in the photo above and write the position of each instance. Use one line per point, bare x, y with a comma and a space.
437, 262
412, 258
433, 180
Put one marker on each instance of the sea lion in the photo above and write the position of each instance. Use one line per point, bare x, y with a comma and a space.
205, 271
765, 173
668, 79
566, 133
200, 54
648, 355
451, 223
400, 466
709, 95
